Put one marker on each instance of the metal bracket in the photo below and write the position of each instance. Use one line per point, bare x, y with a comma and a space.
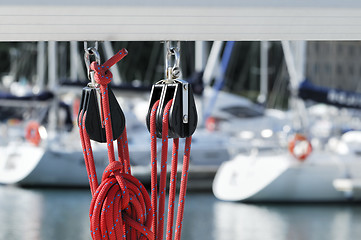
185, 95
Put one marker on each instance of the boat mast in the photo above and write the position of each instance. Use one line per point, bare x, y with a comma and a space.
74, 63
53, 86
200, 65
295, 57
200, 55
262, 97
219, 81
41, 66
212, 65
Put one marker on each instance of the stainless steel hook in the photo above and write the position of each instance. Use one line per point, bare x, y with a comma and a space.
91, 51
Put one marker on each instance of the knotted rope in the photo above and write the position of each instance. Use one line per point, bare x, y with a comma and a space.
120, 206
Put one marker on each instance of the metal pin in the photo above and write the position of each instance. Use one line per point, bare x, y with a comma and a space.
185, 118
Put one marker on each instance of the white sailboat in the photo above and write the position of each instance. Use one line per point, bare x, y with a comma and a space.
330, 173
278, 176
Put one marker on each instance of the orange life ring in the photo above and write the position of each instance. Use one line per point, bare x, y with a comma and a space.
211, 124
32, 133
304, 152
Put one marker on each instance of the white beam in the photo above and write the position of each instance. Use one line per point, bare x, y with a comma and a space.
140, 20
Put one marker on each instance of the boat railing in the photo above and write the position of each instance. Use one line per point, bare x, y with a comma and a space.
30, 100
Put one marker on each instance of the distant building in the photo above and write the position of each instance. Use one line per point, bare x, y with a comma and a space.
335, 64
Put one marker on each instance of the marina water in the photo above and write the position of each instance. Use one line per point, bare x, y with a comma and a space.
51, 214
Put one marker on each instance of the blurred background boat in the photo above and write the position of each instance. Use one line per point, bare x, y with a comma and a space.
327, 165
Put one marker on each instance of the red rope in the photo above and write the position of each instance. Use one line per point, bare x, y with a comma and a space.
163, 170
172, 188
121, 206
183, 188
88, 153
163, 173
154, 173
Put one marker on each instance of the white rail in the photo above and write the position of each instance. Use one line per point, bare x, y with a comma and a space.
139, 20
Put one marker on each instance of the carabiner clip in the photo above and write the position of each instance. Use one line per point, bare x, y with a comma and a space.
91, 51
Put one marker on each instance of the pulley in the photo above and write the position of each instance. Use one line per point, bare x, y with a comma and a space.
183, 113
91, 104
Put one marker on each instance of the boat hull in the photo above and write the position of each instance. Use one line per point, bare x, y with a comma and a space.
280, 177
63, 166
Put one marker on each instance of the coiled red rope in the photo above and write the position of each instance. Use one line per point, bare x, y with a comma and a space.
121, 207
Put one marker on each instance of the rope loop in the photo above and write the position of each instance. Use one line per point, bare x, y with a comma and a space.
102, 74
113, 171
120, 207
